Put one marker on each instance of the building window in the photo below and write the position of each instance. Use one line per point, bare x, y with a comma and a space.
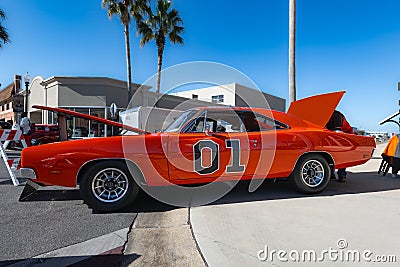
195, 96
217, 98
8, 106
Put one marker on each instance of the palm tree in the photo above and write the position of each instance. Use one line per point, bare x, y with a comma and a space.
292, 50
3, 32
122, 9
159, 25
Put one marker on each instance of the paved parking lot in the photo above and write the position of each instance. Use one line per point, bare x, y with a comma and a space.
53, 218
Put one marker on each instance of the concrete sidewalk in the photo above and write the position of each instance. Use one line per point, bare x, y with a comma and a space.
163, 239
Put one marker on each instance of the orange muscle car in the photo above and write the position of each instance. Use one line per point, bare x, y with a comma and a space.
202, 145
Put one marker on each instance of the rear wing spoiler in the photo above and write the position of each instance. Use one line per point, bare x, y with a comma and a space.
316, 109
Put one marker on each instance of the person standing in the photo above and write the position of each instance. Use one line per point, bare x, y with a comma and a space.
25, 126
338, 122
392, 152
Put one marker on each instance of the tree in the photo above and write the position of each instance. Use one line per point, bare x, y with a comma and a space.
159, 25
122, 8
3, 31
292, 50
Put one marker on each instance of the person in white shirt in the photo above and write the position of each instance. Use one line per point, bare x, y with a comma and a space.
25, 125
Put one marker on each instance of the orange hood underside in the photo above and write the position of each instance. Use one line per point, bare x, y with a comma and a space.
316, 109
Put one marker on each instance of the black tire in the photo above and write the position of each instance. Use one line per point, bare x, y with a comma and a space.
108, 186
311, 174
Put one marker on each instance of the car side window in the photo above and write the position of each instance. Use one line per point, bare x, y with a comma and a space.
221, 121
254, 122
214, 121
249, 122
267, 123
196, 126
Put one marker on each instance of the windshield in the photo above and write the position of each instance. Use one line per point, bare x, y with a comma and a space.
176, 125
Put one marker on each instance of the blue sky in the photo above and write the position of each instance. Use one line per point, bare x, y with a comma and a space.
351, 45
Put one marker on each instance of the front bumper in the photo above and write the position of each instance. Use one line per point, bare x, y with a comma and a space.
27, 173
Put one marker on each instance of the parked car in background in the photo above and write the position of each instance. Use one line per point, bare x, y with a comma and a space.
44, 133
41, 134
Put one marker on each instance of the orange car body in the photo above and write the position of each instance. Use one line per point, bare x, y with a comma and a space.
188, 157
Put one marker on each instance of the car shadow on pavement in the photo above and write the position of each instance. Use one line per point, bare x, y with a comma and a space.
54, 195
9, 182
270, 189
143, 203
111, 260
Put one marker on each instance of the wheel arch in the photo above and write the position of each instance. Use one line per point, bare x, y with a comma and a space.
328, 157
139, 177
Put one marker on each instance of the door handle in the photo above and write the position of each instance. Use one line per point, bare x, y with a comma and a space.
253, 141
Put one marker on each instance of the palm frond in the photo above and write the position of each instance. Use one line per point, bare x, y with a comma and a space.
175, 38
2, 14
118, 8
4, 38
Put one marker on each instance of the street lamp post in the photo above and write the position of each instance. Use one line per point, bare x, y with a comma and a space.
27, 79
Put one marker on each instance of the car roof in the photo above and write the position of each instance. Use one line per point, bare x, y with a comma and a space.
280, 116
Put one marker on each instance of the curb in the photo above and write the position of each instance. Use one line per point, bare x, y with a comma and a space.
79, 252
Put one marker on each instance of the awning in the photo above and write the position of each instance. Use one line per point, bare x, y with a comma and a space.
390, 119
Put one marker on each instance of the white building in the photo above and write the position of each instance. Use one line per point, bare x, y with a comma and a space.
235, 95
381, 136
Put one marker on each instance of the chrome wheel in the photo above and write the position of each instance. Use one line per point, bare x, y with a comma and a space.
110, 185
312, 173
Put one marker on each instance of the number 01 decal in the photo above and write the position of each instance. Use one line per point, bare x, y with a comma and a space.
235, 166
198, 153
198, 148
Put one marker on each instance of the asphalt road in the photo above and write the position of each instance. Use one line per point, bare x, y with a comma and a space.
53, 218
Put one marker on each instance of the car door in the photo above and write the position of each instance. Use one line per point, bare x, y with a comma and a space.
193, 154
206, 150
275, 146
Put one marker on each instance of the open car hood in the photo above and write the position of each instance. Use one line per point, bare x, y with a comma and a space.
316, 109
90, 117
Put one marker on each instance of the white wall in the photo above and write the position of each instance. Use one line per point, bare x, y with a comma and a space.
205, 94
237, 95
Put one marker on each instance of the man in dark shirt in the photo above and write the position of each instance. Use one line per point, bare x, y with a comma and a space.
338, 122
